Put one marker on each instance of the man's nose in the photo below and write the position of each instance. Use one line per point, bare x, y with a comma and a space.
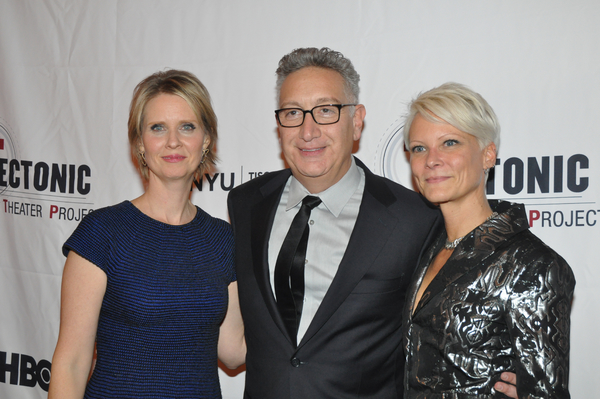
309, 129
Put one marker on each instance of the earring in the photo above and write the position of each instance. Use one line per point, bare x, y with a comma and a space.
143, 158
204, 153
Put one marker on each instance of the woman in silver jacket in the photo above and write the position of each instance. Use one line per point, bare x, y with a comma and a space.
489, 296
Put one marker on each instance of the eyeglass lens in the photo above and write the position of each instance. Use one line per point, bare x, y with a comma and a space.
322, 114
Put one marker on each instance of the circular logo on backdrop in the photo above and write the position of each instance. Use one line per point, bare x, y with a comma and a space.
391, 160
8, 146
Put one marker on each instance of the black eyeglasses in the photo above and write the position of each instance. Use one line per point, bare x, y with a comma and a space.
327, 114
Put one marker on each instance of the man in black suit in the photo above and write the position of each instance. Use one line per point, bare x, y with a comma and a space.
342, 336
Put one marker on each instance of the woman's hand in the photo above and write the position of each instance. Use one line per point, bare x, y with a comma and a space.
232, 343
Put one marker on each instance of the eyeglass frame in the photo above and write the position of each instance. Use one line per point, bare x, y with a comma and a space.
304, 112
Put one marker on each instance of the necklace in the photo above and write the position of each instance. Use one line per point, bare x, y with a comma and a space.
453, 244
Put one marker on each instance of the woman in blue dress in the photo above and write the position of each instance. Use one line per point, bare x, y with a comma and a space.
151, 282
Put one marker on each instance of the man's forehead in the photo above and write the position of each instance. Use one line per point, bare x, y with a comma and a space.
312, 86
314, 102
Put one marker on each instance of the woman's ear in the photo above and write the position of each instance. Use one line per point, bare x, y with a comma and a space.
489, 156
140, 146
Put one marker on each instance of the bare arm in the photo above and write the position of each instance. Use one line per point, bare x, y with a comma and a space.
232, 344
83, 287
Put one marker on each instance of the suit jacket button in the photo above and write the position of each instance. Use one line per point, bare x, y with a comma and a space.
295, 362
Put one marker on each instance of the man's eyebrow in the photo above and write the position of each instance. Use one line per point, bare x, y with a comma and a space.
319, 101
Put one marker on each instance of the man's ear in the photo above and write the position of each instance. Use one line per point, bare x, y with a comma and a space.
359, 120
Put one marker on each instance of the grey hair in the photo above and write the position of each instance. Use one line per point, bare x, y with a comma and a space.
459, 106
321, 58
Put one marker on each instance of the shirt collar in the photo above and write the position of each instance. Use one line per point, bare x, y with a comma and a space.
334, 198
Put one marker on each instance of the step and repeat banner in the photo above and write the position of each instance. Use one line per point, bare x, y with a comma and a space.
68, 69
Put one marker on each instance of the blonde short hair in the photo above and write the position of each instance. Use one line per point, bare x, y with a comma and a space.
185, 85
459, 106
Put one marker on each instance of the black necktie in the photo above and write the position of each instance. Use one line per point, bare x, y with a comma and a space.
289, 269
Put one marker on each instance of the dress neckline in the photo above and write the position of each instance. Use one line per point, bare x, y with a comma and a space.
150, 219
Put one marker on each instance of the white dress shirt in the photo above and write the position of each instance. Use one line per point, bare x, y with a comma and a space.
331, 224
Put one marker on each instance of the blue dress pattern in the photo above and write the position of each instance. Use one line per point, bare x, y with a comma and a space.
165, 298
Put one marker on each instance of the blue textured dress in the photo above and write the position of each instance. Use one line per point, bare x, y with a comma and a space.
165, 298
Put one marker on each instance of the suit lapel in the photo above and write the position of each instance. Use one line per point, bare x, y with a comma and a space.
371, 232
419, 275
434, 288
263, 214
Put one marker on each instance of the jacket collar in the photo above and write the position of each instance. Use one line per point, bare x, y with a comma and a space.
472, 251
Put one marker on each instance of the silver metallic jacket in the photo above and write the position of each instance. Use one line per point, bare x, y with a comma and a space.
502, 302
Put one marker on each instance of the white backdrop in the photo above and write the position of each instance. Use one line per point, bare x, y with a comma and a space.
68, 69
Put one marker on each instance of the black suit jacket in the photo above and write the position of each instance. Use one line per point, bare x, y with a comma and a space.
352, 348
